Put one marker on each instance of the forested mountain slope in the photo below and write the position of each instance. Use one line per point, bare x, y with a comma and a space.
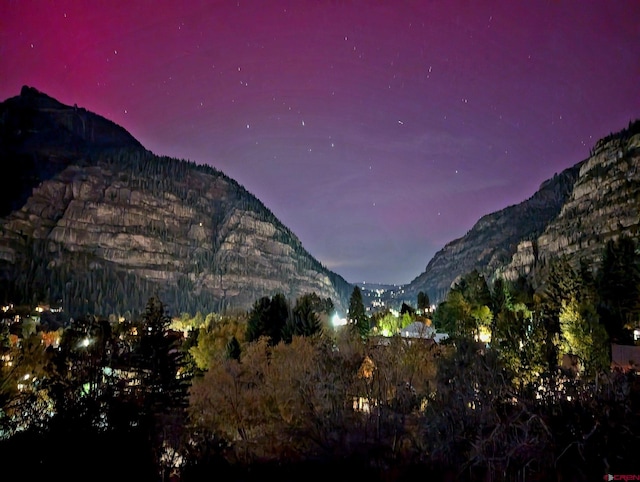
573, 214
94, 221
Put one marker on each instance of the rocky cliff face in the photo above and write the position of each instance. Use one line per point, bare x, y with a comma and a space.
111, 224
604, 204
573, 214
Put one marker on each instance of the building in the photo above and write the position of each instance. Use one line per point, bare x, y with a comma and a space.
625, 358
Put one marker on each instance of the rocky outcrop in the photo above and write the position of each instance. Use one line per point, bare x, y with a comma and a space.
573, 214
494, 239
111, 227
604, 204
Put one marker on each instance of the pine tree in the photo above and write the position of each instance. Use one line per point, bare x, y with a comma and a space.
423, 302
305, 320
164, 384
357, 313
618, 283
159, 361
268, 317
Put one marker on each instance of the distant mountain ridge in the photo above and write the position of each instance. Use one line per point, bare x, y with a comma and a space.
572, 214
94, 220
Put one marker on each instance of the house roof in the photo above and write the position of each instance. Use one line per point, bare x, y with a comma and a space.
418, 329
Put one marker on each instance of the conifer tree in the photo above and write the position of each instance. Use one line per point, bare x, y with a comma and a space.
305, 320
618, 283
159, 360
357, 312
267, 318
423, 302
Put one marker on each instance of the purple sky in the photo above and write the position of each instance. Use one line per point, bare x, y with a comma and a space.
376, 131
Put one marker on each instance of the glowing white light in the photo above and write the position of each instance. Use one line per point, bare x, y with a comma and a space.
337, 321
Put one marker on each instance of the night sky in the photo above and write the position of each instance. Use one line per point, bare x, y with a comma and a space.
376, 131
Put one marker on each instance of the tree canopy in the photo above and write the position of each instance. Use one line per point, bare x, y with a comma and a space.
618, 282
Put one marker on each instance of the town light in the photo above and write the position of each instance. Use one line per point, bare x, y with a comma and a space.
337, 321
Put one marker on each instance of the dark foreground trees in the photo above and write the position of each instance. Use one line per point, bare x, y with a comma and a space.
110, 405
315, 398
400, 410
618, 284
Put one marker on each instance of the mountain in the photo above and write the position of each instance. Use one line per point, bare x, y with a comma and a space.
92, 220
573, 214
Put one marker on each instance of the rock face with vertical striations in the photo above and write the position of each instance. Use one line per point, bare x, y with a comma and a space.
573, 214
604, 203
93, 219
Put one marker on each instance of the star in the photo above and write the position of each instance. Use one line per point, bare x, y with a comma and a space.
386, 108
